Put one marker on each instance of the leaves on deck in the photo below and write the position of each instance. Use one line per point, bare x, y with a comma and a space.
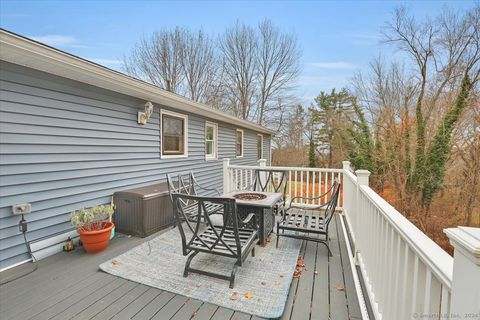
234, 295
339, 287
298, 269
263, 283
115, 262
248, 295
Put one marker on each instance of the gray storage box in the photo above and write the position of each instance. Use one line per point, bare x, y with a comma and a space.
143, 211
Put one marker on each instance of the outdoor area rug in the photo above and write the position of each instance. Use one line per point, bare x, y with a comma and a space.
261, 284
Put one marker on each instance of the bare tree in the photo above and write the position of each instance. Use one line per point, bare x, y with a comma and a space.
239, 48
278, 66
200, 66
158, 59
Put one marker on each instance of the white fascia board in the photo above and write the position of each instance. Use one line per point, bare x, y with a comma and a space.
20, 50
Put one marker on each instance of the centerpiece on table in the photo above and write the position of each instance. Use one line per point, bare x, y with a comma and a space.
94, 225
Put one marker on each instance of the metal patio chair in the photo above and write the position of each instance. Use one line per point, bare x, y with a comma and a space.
271, 180
229, 240
185, 183
304, 222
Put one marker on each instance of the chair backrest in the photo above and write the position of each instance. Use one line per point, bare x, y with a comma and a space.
332, 204
191, 228
181, 182
270, 180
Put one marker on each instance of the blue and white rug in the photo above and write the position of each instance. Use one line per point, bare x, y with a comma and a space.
261, 284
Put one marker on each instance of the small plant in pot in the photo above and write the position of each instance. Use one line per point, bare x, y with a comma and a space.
94, 226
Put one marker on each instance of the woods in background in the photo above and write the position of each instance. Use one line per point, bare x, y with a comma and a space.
414, 124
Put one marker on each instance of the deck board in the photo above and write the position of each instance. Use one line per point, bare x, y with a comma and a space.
69, 285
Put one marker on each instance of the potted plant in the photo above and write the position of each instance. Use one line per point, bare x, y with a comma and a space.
94, 225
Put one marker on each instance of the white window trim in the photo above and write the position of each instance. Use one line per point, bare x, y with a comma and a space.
185, 136
261, 150
243, 144
215, 140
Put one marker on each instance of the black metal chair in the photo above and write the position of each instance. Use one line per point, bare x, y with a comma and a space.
304, 221
185, 183
272, 180
229, 240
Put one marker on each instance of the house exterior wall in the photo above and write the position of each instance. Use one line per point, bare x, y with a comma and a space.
66, 144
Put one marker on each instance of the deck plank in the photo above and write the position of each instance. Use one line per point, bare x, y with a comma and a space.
70, 285
287, 312
118, 305
303, 298
170, 308
321, 298
138, 304
222, 314
352, 299
338, 299
205, 312
154, 306
104, 302
188, 310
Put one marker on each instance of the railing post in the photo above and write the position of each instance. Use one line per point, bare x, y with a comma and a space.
263, 175
465, 294
346, 196
362, 180
226, 175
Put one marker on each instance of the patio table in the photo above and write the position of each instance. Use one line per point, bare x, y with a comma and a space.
263, 210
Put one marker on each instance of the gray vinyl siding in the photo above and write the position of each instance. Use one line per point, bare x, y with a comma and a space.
66, 144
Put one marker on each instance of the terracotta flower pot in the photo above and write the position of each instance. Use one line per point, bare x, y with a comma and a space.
96, 241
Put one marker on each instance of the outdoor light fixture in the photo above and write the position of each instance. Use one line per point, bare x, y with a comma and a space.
144, 116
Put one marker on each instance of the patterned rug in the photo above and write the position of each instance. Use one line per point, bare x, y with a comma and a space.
261, 284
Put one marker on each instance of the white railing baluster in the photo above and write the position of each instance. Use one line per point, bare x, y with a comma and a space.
325, 188
295, 184
301, 186
308, 185
313, 186
290, 184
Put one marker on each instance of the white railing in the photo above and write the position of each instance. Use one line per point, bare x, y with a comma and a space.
407, 275
301, 182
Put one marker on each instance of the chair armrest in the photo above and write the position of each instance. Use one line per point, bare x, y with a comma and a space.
250, 217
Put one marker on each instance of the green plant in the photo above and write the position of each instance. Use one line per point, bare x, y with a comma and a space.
90, 219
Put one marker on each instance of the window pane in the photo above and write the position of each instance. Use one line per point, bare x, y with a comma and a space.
209, 148
172, 126
172, 135
259, 147
173, 144
210, 133
239, 146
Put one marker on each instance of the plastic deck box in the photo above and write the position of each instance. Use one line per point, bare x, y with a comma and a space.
143, 211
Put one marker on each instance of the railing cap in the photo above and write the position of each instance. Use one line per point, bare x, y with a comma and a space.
466, 240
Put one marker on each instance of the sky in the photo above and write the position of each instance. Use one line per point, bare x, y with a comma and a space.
337, 38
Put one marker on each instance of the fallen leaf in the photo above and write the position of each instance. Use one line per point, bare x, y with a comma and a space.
234, 295
248, 295
339, 287
263, 283
114, 262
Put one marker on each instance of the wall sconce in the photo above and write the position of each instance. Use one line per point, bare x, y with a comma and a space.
144, 116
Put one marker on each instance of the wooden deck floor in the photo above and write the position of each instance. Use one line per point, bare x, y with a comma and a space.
69, 285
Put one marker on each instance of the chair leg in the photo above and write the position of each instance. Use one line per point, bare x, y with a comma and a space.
328, 248
232, 276
187, 264
278, 236
253, 252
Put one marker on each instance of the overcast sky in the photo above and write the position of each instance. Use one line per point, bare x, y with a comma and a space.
337, 38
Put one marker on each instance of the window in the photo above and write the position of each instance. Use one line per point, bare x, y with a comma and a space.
174, 134
211, 130
239, 144
259, 146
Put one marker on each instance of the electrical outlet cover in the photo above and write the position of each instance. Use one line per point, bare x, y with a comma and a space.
22, 208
